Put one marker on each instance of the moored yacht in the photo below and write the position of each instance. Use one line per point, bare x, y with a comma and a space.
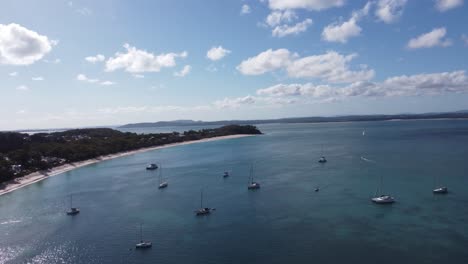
382, 198
73, 210
252, 184
203, 210
152, 166
143, 244
440, 190
162, 184
226, 174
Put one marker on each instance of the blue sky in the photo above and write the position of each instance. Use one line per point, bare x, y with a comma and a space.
89, 63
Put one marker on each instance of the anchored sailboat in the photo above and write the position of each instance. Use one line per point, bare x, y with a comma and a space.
439, 190
203, 210
73, 210
322, 159
252, 184
162, 184
382, 198
143, 244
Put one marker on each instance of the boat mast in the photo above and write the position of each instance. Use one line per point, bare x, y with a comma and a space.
71, 200
141, 232
201, 198
251, 173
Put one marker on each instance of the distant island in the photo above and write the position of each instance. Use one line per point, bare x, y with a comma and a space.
22, 154
348, 118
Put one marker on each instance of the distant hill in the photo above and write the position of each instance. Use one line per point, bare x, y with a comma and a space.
349, 118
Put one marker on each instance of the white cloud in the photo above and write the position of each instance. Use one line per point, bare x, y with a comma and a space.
430, 39
277, 17
22, 88
55, 61
304, 4
266, 61
186, 70
84, 78
138, 76
107, 83
138, 61
444, 5
38, 78
331, 66
234, 102
84, 11
336, 32
284, 30
413, 85
21, 111
94, 59
390, 11
13, 74
245, 9
217, 53
21, 46
464, 38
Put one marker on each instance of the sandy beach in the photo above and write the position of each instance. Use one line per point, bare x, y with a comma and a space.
42, 175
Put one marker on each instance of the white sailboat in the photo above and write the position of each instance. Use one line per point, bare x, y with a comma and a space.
162, 184
382, 198
73, 210
322, 159
143, 244
203, 210
226, 174
441, 189
252, 184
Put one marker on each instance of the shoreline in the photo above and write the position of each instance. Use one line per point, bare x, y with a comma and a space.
37, 176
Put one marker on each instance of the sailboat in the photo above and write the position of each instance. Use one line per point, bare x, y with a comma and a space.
322, 159
226, 174
364, 132
152, 166
143, 244
162, 184
439, 190
252, 185
382, 198
203, 210
73, 210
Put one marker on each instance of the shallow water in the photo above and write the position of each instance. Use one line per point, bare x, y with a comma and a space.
285, 221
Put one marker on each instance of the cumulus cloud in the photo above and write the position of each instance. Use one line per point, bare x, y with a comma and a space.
217, 53
37, 78
55, 61
234, 102
13, 74
245, 9
389, 11
84, 78
413, 85
277, 17
284, 30
138, 61
186, 70
464, 38
94, 59
22, 88
266, 61
138, 76
331, 66
341, 32
21, 46
305, 4
431, 39
444, 5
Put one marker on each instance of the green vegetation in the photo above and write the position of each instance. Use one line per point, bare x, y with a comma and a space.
21, 154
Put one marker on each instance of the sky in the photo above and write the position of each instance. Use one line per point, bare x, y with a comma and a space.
98, 63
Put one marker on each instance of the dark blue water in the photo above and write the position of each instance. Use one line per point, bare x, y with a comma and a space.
285, 221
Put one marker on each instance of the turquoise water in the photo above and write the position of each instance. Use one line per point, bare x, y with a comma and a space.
285, 221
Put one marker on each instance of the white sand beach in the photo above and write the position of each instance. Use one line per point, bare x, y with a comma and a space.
41, 175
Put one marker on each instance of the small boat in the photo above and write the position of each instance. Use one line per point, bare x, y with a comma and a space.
73, 210
152, 166
142, 244
364, 132
162, 184
439, 190
382, 198
317, 189
203, 210
226, 174
322, 159
252, 184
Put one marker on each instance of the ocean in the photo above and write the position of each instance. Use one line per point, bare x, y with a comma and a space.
285, 221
